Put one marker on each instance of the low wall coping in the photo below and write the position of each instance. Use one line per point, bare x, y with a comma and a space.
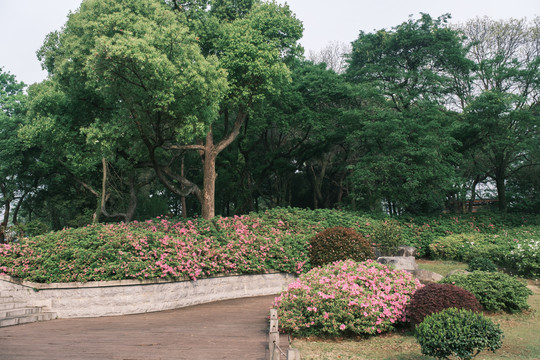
116, 283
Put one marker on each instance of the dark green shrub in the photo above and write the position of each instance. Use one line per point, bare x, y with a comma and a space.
482, 264
433, 298
496, 291
387, 235
457, 332
339, 243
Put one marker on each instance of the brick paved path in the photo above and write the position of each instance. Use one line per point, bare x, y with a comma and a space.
232, 329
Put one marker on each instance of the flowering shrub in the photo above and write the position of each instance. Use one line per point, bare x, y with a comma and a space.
524, 256
275, 239
346, 298
157, 249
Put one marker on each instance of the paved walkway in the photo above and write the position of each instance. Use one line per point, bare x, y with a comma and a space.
231, 329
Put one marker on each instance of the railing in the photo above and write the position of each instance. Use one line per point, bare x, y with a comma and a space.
273, 341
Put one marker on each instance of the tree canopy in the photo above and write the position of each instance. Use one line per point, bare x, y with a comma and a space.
208, 107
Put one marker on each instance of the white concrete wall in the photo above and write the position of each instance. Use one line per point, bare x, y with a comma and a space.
94, 299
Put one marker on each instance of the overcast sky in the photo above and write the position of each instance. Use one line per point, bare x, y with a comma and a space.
25, 23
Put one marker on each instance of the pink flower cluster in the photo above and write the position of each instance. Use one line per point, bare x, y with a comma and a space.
350, 297
157, 249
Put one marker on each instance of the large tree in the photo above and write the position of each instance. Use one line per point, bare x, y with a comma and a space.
501, 100
12, 157
163, 79
405, 135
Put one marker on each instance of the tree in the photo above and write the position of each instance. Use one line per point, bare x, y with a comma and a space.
333, 55
155, 82
501, 98
293, 153
253, 50
12, 158
405, 133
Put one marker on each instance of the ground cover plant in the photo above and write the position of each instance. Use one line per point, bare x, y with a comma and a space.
158, 249
345, 298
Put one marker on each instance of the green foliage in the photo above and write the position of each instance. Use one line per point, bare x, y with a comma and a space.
459, 246
158, 249
460, 333
496, 291
387, 235
31, 228
339, 243
434, 298
408, 150
522, 251
481, 264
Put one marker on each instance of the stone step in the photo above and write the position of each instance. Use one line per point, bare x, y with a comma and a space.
11, 305
4, 299
21, 311
25, 319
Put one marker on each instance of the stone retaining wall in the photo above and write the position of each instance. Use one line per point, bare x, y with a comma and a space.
106, 298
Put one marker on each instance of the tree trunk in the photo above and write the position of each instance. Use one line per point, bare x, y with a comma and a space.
183, 198
501, 193
5, 221
473, 194
209, 174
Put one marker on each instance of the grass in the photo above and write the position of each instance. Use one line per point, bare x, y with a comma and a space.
521, 340
442, 267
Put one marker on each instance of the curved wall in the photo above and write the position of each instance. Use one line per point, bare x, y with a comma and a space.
107, 298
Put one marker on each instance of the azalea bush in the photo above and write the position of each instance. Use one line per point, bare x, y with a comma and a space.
346, 298
157, 249
272, 240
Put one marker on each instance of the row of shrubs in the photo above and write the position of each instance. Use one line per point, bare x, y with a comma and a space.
347, 298
278, 239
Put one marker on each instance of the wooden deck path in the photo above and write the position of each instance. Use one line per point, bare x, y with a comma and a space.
232, 329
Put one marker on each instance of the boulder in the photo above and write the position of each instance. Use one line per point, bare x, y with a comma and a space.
426, 276
406, 251
399, 262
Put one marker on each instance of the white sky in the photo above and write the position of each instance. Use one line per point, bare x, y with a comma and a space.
25, 23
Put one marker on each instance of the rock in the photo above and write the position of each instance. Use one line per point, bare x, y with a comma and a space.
426, 276
457, 271
376, 251
399, 262
406, 251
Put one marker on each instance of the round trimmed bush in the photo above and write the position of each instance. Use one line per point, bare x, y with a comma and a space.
457, 332
339, 243
482, 264
346, 298
434, 298
496, 291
